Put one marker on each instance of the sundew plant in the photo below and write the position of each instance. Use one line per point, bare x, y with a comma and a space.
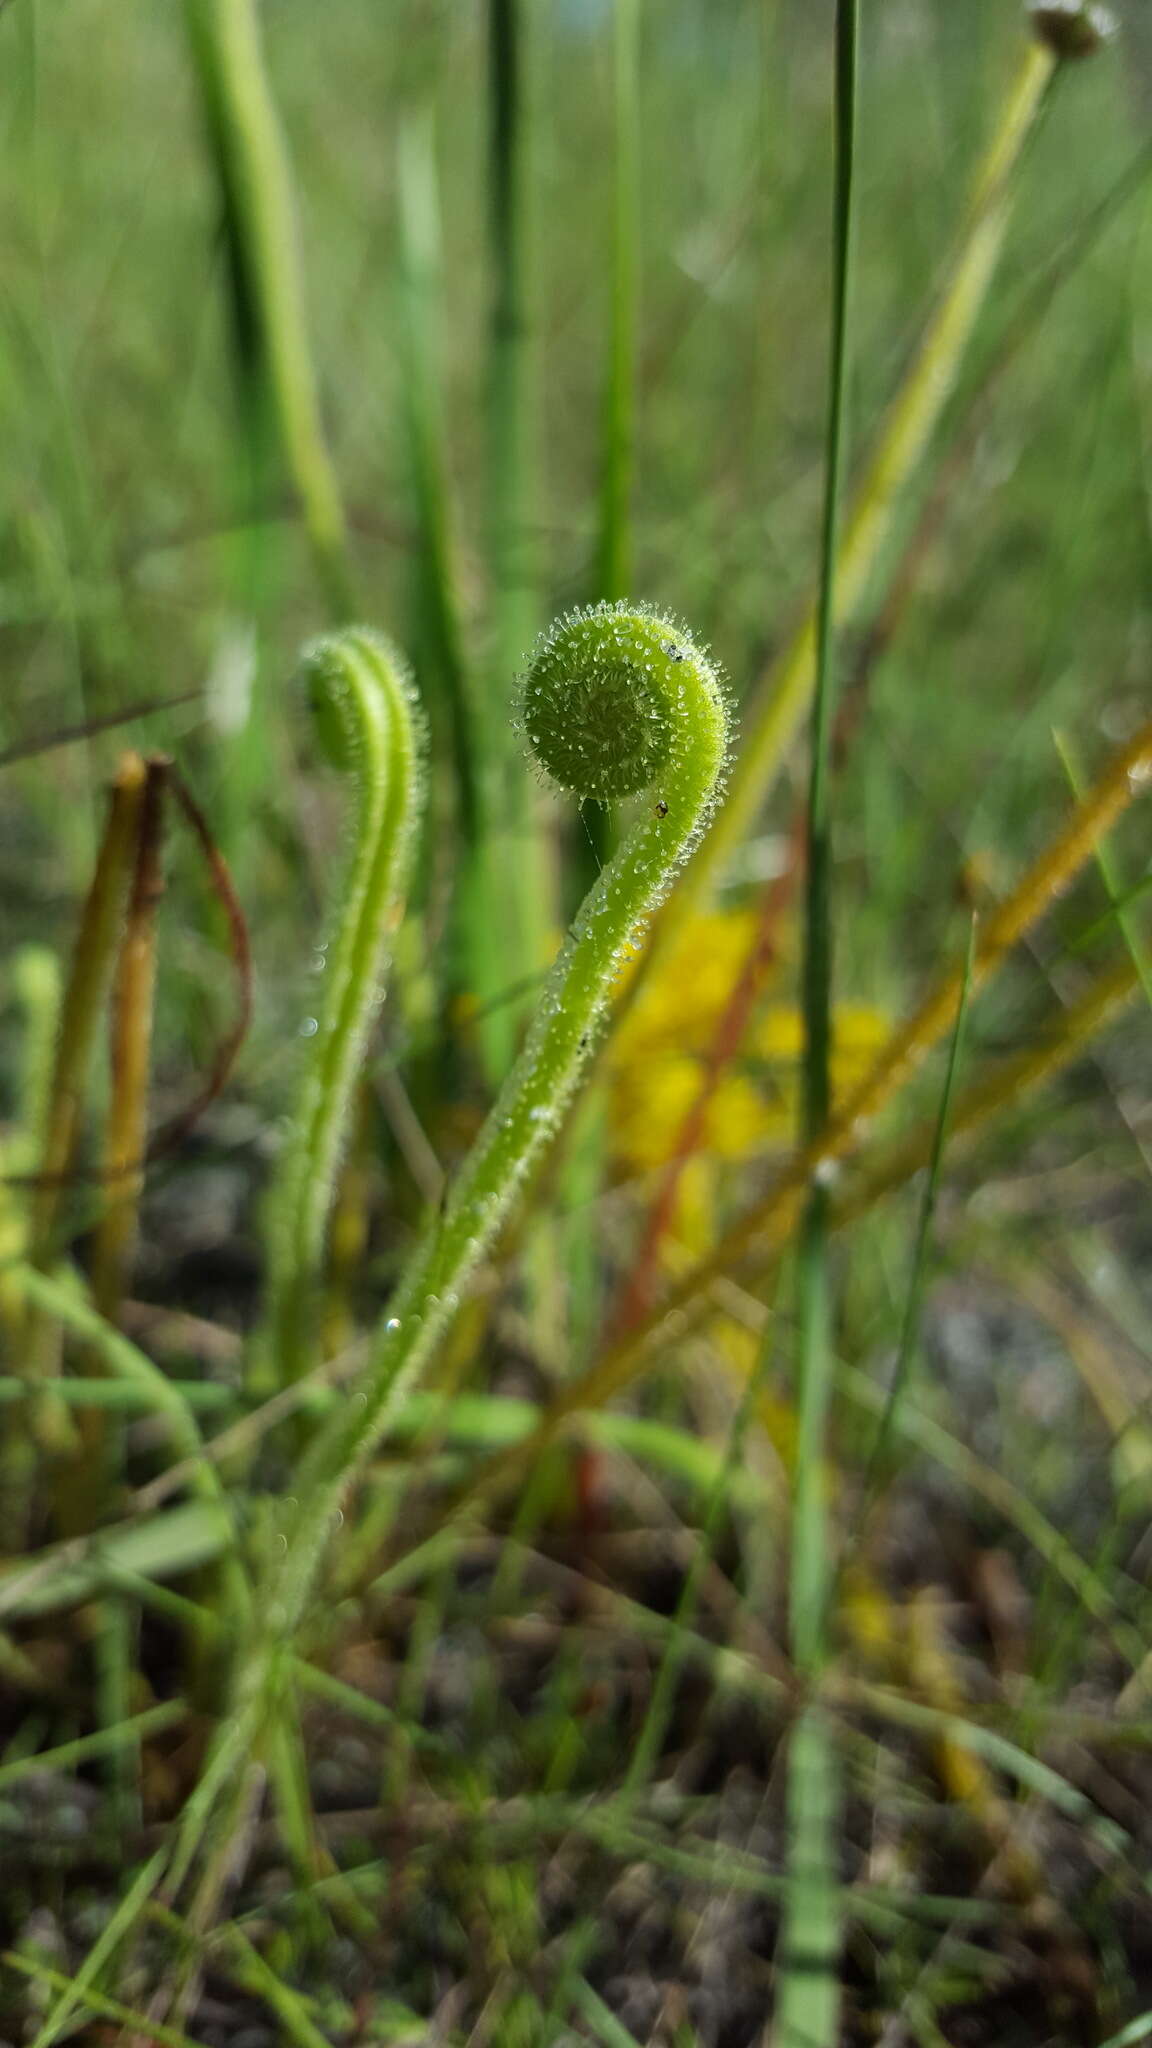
574, 1269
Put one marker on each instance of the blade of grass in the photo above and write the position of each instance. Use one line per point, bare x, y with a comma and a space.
608, 2029
119, 1397
251, 164
446, 682
614, 546
785, 692
876, 1469
119, 1356
1116, 1603
163, 1546
583, 1166
654, 1726
1120, 898
80, 1989
65, 1755
807, 2010
122, 1359
96, 2003
1095, 1594
508, 909
257, 1976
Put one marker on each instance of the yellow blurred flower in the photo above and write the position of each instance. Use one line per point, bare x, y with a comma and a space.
652, 1097
659, 1056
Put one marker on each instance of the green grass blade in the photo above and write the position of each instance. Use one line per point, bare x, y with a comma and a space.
508, 907
439, 645
807, 1976
78, 1989
1119, 897
914, 1299
251, 165
66, 1755
137, 2023
614, 550
157, 1546
607, 2029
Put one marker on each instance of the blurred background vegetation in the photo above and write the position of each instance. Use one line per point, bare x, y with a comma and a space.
659, 412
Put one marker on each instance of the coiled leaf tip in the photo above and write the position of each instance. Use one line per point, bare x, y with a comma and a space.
602, 699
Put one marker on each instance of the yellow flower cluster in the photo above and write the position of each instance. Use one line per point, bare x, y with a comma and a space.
659, 1056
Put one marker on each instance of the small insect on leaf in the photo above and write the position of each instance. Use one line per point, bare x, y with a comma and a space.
661, 808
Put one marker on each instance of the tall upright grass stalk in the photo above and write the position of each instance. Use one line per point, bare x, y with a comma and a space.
784, 695
250, 160
906, 1350
808, 1955
617, 462
439, 650
510, 555
509, 906
584, 1160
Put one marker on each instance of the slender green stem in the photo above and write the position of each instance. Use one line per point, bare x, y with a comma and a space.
440, 655
78, 1989
648, 1744
508, 910
808, 1997
512, 583
613, 578
122, 1360
268, 286
368, 718
817, 978
913, 1304
615, 549
1119, 898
